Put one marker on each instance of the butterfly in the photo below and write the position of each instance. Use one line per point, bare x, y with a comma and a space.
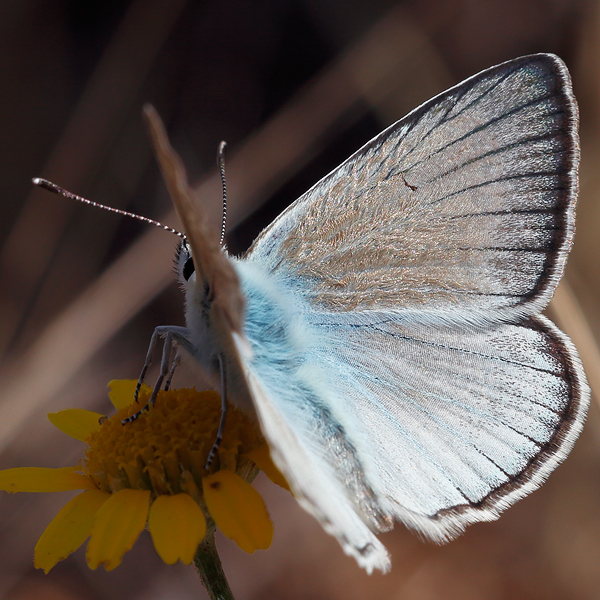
385, 329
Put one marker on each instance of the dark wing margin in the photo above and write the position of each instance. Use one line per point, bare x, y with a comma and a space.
555, 450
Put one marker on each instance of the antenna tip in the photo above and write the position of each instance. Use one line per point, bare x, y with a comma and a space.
47, 185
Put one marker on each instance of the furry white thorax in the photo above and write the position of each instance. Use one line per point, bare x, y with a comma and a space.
206, 342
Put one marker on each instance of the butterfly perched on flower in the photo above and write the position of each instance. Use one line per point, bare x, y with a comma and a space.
386, 328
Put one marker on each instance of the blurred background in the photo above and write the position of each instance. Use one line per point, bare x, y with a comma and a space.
294, 86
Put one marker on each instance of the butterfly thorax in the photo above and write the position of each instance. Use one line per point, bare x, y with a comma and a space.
209, 338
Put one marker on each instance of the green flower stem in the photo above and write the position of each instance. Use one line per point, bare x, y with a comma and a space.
208, 565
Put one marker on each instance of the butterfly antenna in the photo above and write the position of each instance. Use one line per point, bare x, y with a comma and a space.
52, 187
221, 163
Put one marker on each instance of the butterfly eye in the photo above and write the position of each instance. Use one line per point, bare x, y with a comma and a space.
188, 268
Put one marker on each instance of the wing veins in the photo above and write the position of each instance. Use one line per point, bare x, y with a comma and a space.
463, 350
411, 439
443, 424
445, 118
484, 183
472, 409
483, 127
531, 250
495, 151
376, 327
416, 443
479, 413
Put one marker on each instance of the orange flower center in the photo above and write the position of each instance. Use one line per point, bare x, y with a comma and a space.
165, 450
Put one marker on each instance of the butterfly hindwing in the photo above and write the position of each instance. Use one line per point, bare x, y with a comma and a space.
462, 422
438, 426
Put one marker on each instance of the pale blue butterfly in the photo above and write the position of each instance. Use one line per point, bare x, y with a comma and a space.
386, 327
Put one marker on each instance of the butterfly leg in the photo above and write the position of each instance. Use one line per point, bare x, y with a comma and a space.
224, 407
165, 371
147, 363
179, 336
173, 335
174, 365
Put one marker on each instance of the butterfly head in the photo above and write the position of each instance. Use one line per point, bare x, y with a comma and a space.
198, 296
198, 290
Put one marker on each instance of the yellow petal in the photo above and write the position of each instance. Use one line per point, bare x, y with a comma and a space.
238, 510
261, 457
177, 526
76, 422
118, 524
68, 530
39, 479
121, 392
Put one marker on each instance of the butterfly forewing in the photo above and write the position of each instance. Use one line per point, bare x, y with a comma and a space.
464, 207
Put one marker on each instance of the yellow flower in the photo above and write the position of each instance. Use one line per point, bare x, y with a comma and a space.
152, 471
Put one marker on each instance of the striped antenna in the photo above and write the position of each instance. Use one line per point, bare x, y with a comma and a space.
52, 187
221, 163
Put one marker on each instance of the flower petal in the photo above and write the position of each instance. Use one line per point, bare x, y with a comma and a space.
122, 391
76, 422
177, 526
68, 530
40, 479
261, 457
238, 510
118, 524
